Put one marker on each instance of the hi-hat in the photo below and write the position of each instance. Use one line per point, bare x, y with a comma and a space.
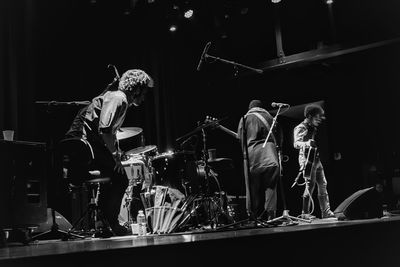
127, 132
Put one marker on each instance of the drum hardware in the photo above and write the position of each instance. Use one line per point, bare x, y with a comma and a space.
201, 127
206, 204
125, 216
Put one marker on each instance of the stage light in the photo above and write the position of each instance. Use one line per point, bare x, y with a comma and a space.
173, 28
188, 13
275, 1
329, 2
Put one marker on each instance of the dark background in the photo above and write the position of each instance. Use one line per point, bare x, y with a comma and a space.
59, 51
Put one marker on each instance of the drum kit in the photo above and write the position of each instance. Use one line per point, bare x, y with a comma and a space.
176, 190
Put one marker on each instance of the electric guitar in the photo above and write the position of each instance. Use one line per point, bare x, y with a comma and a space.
311, 155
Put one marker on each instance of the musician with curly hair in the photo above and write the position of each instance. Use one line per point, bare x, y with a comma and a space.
98, 123
310, 163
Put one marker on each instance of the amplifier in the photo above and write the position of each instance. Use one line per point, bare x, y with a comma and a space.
23, 194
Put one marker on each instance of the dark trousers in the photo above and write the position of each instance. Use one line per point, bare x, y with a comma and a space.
80, 161
111, 194
260, 192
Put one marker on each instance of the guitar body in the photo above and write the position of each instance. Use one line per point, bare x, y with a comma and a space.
311, 155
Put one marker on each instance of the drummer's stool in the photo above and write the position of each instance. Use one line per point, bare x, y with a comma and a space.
77, 158
97, 225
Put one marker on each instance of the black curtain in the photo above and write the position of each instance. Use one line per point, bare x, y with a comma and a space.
59, 50
18, 67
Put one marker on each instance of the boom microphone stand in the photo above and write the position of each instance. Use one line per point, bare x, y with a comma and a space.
285, 215
204, 56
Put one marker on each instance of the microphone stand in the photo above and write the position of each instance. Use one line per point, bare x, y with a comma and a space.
114, 81
285, 215
233, 63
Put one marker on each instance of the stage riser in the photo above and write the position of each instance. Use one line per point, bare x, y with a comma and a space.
373, 244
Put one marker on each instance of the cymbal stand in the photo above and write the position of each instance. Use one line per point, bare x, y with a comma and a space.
206, 198
213, 207
128, 202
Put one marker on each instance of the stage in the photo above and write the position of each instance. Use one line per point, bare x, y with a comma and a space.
370, 242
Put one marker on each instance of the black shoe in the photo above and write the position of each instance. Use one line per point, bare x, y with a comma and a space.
103, 233
328, 214
119, 230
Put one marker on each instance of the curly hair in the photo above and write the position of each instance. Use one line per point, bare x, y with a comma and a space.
134, 79
312, 110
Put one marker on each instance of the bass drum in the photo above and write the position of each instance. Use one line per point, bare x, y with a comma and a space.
198, 183
175, 169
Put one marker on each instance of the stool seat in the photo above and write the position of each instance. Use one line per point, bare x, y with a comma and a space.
95, 173
102, 180
96, 178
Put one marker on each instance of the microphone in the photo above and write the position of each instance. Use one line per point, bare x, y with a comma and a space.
279, 105
203, 55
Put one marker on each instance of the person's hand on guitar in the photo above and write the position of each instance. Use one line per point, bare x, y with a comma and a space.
310, 143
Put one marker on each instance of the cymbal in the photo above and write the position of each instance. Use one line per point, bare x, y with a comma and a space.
199, 128
127, 132
141, 149
219, 160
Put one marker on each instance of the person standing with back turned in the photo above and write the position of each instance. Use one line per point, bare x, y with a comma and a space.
261, 182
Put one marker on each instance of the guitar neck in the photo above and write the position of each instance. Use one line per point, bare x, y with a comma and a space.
228, 131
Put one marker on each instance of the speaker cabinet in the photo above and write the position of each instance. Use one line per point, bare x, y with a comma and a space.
363, 204
23, 196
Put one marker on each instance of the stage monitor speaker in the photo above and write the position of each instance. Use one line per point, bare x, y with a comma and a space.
363, 204
62, 223
23, 183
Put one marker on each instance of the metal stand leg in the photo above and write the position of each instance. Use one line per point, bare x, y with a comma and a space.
97, 223
54, 232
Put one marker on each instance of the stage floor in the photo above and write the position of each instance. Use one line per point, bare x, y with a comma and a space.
306, 233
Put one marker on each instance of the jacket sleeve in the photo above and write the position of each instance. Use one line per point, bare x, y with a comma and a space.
110, 113
299, 133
